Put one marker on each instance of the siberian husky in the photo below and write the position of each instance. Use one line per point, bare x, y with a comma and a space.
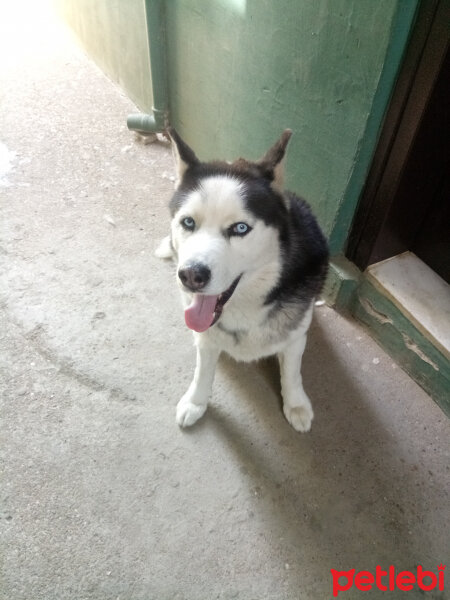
251, 261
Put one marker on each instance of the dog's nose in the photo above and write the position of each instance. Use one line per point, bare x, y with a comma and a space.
194, 276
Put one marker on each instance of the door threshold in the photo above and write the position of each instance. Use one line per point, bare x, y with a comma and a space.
406, 308
419, 293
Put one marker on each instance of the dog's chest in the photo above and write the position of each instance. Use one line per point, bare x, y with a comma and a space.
245, 345
248, 337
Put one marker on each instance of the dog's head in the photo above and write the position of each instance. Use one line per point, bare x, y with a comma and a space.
227, 220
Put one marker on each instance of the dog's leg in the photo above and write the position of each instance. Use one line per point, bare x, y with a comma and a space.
193, 404
164, 250
296, 404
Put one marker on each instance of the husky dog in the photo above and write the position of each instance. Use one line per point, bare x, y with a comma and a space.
251, 260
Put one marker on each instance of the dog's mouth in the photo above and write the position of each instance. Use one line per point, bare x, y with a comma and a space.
205, 310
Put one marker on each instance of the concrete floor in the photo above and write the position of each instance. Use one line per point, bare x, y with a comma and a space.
102, 496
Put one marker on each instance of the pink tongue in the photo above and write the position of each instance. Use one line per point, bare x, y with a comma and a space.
200, 313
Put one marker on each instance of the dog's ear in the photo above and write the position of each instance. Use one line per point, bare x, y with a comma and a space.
184, 155
271, 164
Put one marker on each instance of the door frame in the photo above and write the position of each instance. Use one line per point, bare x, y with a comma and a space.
421, 66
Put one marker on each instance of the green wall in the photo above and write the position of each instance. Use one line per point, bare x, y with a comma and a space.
114, 34
240, 71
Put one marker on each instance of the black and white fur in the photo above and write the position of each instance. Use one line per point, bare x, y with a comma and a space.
233, 225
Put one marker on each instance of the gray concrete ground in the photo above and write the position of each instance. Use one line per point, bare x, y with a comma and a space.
102, 496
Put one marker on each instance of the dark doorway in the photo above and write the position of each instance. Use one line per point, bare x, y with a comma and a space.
406, 201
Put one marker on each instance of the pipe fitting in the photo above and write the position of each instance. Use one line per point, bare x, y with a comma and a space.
147, 123
158, 119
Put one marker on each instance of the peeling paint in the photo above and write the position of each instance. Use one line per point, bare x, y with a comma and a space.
414, 352
415, 348
373, 312
409, 343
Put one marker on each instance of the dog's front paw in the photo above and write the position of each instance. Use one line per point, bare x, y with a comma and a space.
188, 412
164, 250
299, 416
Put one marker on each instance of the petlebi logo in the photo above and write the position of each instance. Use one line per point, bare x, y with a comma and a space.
388, 580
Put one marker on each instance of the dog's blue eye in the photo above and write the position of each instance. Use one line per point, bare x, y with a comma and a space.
240, 229
188, 223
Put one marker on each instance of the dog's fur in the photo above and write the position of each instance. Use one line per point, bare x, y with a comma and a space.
235, 230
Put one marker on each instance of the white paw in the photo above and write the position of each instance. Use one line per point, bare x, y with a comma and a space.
188, 412
164, 250
300, 417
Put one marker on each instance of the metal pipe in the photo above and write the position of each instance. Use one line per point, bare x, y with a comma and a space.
156, 28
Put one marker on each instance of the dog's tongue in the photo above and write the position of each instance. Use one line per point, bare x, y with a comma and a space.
200, 313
